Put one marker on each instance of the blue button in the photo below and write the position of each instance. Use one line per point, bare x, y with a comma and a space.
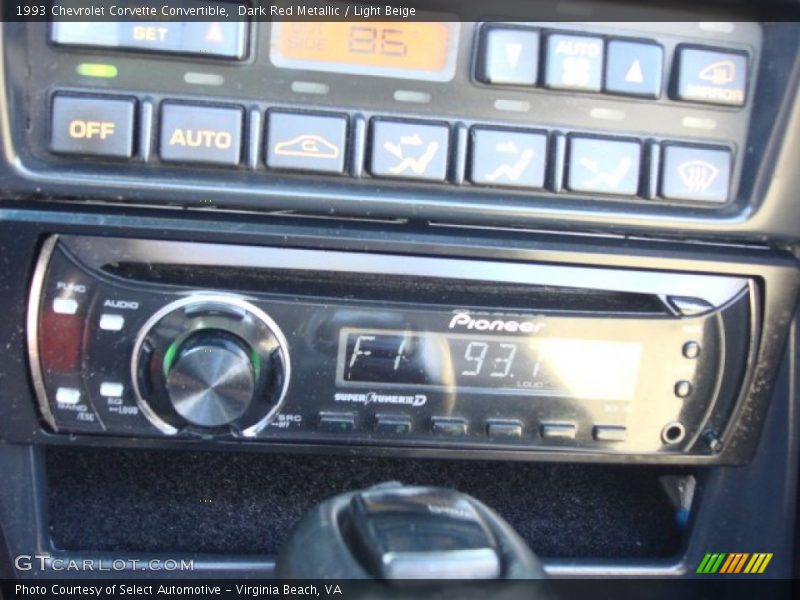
634, 68
604, 166
692, 173
574, 62
711, 76
409, 150
508, 158
508, 56
306, 142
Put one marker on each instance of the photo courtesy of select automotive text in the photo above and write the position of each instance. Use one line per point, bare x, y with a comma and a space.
403, 299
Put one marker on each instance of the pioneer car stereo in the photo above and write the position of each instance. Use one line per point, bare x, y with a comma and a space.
272, 346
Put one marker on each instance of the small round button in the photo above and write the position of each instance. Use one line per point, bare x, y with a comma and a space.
691, 350
683, 389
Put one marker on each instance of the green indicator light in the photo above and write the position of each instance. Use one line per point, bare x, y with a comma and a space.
97, 70
169, 357
255, 359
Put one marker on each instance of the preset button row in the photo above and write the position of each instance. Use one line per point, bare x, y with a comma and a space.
399, 149
345, 423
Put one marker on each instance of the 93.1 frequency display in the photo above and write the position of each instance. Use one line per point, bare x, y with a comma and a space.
405, 50
560, 367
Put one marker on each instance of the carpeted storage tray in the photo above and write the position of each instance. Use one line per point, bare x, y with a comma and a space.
157, 501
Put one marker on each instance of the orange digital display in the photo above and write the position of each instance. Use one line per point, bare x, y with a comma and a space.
412, 50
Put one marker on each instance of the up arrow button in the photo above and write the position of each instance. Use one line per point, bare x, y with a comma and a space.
634, 68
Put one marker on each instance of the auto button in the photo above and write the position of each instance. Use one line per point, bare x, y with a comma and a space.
201, 134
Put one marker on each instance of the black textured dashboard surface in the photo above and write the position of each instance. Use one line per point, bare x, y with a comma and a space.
150, 501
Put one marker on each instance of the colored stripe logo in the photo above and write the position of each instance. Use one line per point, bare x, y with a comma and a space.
734, 563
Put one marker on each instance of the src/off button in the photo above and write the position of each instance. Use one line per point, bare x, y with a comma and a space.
201, 134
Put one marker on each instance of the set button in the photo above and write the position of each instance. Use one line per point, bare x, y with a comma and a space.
92, 125
508, 158
605, 166
201, 134
306, 142
222, 39
409, 150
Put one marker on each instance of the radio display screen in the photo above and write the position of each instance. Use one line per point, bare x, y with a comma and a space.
535, 366
406, 50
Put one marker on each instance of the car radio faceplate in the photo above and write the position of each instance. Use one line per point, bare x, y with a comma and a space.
278, 345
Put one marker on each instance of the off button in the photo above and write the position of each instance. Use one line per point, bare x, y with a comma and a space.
95, 126
201, 134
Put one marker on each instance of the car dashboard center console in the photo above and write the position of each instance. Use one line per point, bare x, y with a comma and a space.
462, 233
496, 122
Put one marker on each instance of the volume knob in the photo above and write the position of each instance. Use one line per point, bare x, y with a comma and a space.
210, 364
211, 380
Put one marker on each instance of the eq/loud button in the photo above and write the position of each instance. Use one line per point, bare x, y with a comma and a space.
201, 134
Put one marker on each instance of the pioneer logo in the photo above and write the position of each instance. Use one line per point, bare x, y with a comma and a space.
467, 321
376, 398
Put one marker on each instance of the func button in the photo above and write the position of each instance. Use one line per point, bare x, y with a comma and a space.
201, 134
96, 126
509, 158
306, 142
694, 173
711, 76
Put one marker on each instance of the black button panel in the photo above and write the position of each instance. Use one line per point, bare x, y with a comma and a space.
403, 149
582, 160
